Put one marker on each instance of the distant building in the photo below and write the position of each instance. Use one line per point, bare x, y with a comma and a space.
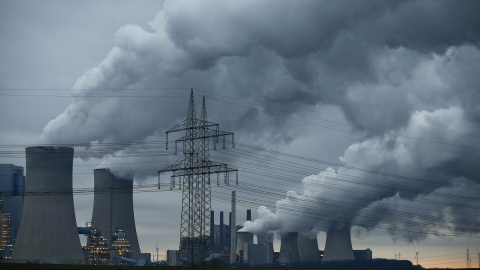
5, 234
220, 236
12, 189
255, 254
363, 255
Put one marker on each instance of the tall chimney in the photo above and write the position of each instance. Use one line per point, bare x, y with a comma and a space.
212, 232
249, 215
222, 233
233, 231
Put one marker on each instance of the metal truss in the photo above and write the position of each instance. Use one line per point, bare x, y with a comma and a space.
193, 171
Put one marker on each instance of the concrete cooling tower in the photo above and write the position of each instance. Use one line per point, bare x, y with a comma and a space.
338, 246
308, 248
48, 229
266, 239
113, 207
243, 238
289, 248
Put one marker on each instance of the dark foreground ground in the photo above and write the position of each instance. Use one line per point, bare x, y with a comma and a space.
17, 266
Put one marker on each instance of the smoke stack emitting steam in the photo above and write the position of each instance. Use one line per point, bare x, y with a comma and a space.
113, 207
338, 246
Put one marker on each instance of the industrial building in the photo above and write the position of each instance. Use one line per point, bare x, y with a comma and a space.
254, 254
48, 230
12, 188
113, 210
96, 250
338, 246
220, 235
5, 234
243, 240
363, 255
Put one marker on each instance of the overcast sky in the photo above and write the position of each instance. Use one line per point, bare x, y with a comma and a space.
388, 88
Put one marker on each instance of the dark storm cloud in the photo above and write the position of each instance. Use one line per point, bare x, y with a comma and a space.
403, 67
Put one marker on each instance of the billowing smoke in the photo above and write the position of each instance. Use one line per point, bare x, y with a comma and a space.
441, 199
407, 68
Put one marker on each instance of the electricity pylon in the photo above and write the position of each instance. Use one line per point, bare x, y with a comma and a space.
193, 170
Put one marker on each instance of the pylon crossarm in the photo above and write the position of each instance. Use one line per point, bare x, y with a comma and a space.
184, 125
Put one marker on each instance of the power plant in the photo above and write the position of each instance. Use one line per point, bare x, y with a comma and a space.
338, 246
289, 248
111, 234
267, 240
48, 229
243, 239
308, 248
113, 209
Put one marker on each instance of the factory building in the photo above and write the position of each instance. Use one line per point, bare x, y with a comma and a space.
254, 254
220, 235
12, 188
243, 240
338, 246
5, 234
363, 255
48, 230
113, 210
96, 251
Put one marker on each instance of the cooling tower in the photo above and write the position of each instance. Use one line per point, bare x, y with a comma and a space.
48, 229
289, 248
267, 239
308, 248
338, 246
243, 238
113, 207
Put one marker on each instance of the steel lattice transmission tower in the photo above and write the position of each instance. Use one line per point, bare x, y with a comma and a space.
193, 170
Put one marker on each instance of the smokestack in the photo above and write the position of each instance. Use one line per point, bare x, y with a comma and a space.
338, 246
267, 239
113, 207
308, 248
289, 248
222, 233
233, 230
229, 239
48, 229
212, 231
249, 215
